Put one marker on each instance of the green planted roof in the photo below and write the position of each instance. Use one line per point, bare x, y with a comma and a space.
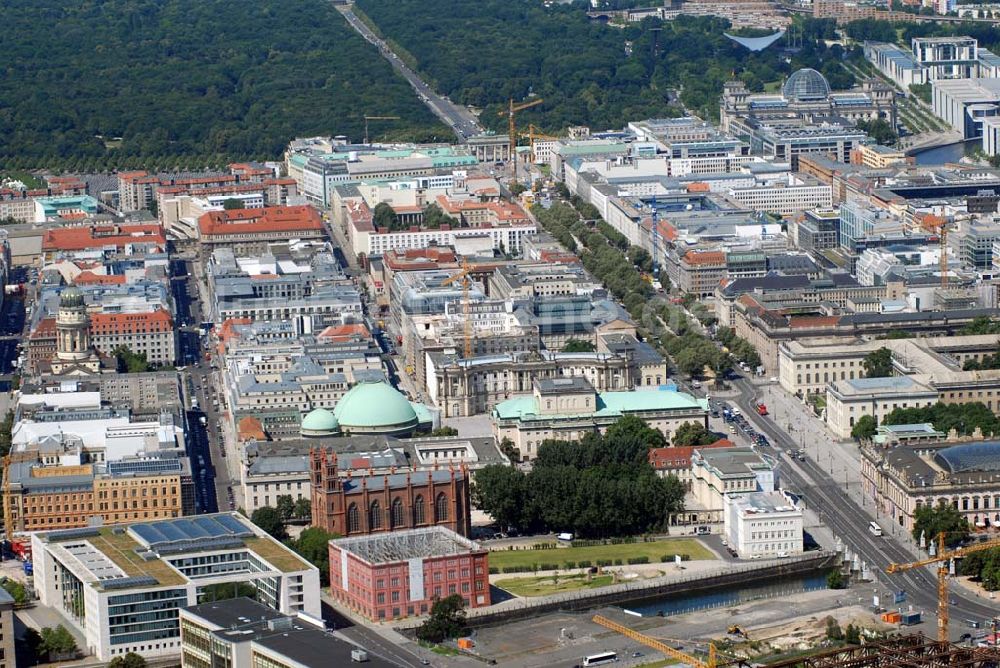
374, 404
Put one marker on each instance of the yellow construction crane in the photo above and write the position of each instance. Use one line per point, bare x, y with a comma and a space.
532, 134
658, 645
511, 113
465, 277
939, 225
377, 118
942, 557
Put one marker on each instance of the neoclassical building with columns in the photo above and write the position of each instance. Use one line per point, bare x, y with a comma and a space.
75, 355
902, 478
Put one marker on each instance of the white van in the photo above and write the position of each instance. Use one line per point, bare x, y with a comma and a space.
874, 529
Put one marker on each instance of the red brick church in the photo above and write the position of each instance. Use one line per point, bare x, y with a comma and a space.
354, 505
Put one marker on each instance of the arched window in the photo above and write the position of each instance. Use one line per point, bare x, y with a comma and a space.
418, 510
396, 516
374, 516
353, 519
441, 508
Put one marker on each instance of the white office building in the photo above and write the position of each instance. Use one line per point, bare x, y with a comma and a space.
763, 524
123, 587
964, 103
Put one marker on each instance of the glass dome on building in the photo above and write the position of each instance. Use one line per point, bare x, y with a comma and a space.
970, 457
805, 85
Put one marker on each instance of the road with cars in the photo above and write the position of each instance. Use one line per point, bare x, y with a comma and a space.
808, 478
457, 117
213, 487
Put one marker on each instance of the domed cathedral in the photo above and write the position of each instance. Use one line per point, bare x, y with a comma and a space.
806, 97
372, 408
75, 356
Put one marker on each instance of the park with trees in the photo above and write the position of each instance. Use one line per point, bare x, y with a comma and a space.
601, 486
484, 53
169, 84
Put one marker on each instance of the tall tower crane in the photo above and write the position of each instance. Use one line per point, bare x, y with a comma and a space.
532, 134
942, 557
940, 225
464, 276
511, 113
377, 118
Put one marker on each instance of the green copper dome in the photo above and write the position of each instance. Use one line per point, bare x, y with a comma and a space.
375, 407
319, 422
71, 297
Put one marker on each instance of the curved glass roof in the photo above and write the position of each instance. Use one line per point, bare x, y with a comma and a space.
970, 457
806, 84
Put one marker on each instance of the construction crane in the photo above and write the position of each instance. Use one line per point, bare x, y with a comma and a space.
532, 134
658, 645
942, 557
465, 277
377, 118
939, 225
511, 113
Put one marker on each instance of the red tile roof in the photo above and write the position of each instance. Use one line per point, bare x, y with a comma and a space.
679, 457
250, 428
151, 322
103, 236
45, 328
90, 278
705, 257
228, 328
271, 219
343, 333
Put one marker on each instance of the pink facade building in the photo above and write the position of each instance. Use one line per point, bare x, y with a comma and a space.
399, 574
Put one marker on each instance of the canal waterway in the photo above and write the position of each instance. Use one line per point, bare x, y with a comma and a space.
721, 598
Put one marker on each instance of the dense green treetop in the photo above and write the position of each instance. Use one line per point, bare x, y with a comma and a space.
172, 77
483, 53
964, 418
602, 485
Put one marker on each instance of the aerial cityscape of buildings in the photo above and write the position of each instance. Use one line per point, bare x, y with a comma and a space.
414, 403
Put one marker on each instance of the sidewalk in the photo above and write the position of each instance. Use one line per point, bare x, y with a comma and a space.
841, 460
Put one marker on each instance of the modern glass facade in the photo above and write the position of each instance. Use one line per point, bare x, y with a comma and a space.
145, 616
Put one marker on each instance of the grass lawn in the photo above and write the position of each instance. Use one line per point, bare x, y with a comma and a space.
542, 586
655, 550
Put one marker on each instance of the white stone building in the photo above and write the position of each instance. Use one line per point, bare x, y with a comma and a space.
766, 524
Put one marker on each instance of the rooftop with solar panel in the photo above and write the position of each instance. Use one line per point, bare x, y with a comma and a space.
159, 552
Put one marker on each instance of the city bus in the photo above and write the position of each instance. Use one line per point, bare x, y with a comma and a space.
875, 529
597, 659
